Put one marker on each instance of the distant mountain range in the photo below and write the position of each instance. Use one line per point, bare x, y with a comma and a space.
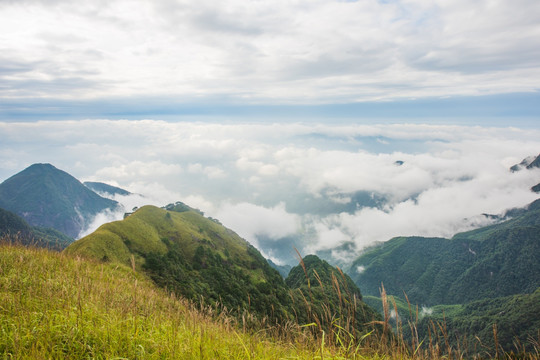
493, 261
102, 188
529, 162
48, 197
477, 278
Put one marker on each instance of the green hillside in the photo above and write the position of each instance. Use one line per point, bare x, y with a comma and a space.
10, 223
48, 197
514, 319
57, 306
193, 256
470, 326
326, 297
19, 231
498, 260
197, 258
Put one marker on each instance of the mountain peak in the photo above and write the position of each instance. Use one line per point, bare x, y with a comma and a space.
535, 163
528, 163
46, 196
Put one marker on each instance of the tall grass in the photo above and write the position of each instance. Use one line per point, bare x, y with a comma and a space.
56, 306
437, 344
335, 331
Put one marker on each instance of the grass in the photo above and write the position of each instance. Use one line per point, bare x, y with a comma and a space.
143, 231
60, 306
56, 305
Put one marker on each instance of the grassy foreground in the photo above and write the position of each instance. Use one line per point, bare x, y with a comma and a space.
58, 306
61, 306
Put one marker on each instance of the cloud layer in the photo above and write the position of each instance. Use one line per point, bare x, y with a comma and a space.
326, 51
332, 189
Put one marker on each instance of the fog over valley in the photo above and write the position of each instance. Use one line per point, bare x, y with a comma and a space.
322, 188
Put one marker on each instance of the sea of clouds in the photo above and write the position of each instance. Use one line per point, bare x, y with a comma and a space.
331, 189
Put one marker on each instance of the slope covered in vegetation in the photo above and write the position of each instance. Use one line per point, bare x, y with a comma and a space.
325, 296
193, 256
198, 258
21, 232
53, 305
510, 323
494, 261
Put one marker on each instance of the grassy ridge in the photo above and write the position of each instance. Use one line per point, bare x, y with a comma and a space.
60, 306
149, 229
192, 256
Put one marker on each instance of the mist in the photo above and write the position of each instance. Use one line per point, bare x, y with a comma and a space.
324, 188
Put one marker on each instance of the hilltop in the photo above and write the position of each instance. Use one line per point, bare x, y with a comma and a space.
201, 260
193, 256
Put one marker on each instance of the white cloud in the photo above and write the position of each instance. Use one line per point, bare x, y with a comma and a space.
324, 51
250, 220
318, 186
212, 172
99, 219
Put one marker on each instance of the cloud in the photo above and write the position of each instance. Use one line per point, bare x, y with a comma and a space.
99, 219
320, 187
252, 221
258, 52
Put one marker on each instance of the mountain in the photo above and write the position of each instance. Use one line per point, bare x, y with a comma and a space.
528, 163
327, 297
282, 269
48, 197
460, 288
192, 256
15, 229
198, 258
493, 261
535, 163
102, 188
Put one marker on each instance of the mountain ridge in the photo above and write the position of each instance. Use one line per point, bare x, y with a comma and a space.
493, 261
198, 258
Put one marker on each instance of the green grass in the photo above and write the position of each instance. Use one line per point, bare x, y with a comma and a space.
60, 306
143, 233
192, 256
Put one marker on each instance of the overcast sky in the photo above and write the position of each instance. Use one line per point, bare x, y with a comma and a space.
325, 125
160, 56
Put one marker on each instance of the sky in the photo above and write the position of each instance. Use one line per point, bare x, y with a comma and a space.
325, 125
